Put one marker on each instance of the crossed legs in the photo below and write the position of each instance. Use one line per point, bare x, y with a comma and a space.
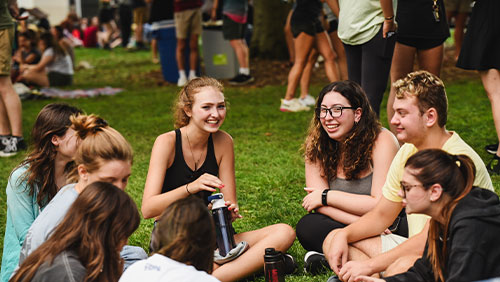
278, 236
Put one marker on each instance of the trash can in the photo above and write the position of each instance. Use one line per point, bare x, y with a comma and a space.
167, 44
220, 59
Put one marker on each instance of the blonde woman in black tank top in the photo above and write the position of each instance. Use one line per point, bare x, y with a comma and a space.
200, 111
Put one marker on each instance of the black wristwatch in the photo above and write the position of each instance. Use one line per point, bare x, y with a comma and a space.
324, 197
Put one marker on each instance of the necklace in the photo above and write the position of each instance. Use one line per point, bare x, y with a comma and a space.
192, 155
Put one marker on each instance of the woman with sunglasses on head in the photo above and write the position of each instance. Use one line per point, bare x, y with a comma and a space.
103, 155
196, 159
86, 245
36, 180
347, 156
463, 243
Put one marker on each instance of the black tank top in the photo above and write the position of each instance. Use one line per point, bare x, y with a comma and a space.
179, 173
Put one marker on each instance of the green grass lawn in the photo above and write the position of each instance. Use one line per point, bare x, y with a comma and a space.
269, 165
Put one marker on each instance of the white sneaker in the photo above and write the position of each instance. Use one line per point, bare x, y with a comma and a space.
308, 100
293, 106
192, 76
182, 81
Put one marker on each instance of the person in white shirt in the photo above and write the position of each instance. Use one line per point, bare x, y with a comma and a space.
183, 244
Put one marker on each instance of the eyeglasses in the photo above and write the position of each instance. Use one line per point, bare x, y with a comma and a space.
406, 187
335, 111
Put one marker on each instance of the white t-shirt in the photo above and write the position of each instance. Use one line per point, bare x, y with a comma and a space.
60, 64
360, 21
158, 268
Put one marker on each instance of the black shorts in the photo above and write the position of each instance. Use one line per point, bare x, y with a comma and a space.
105, 15
59, 79
333, 26
419, 43
232, 30
309, 27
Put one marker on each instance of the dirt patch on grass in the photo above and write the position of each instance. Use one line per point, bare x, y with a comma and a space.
273, 72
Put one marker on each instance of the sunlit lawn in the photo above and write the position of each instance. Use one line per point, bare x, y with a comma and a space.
269, 165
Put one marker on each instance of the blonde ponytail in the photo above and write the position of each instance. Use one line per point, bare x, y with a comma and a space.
100, 142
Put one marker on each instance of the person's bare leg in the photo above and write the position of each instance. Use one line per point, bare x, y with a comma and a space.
401, 265
108, 30
278, 236
459, 32
241, 50
306, 73
12, 104
370, 246
179, 53
402, 64
36, 77
338, 47
491, 84
138, 33
431, 60
356, 254
193, 52
303, 44
154, 50
289, 37
358, 251
4, 120
326, 50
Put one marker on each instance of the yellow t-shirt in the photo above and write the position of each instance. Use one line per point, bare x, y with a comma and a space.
456, 146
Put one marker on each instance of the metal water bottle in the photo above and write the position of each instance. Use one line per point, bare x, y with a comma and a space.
274, 266
223, 226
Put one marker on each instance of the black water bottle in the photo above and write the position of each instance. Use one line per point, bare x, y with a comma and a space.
274, 266
223, 226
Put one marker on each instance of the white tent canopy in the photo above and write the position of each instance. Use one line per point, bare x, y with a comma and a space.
56, 9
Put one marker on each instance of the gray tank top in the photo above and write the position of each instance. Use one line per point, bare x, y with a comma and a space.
362, 186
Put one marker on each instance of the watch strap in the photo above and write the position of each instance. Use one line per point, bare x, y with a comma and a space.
324, 197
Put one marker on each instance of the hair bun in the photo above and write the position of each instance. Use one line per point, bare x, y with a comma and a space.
87, 124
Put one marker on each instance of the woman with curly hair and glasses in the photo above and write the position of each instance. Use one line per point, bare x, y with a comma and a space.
86, 245
462, 244
347, 156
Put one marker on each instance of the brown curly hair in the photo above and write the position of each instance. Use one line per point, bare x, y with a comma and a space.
356, 149
186, 97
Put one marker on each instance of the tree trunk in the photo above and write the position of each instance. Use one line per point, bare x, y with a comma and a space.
268, 39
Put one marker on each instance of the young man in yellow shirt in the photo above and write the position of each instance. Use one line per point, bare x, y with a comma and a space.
421, 108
